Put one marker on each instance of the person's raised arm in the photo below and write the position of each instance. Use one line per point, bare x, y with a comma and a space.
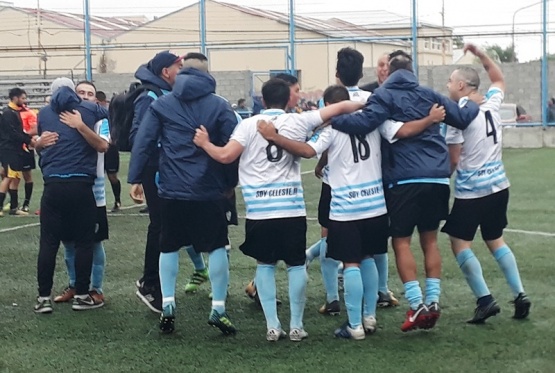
494, 71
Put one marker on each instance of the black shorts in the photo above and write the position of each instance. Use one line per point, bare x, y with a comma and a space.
352, 241
198, 223
421, 205
489, 212
101, 231
111, 160
271, 240
13, 160
28, 161
231, 209
324, 205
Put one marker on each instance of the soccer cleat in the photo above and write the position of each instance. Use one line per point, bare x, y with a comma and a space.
346, 332
251, 292
6, 207
139, 283
97, 296
117, 207
369, 323
44, 305
151, 296
222, 322
198, 278
481, 314
144, 210
522, 306
332, 308
167, 319
66, 295
274, 335
1, 213
88, 303
387, 300
435, 313
417, 319
18, 212
25, 208
297, 335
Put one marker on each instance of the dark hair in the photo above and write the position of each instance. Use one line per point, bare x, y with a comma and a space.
349, 66
288, 78
241, 101
336, 93
101, 96
275, 93
399, 60
16, 92
195, 56
86, 82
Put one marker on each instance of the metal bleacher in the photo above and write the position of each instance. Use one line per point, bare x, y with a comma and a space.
37, 90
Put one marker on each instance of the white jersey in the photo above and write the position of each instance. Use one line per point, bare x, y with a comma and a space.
480, 171
355, 173
270, 177
102, 129
358, 95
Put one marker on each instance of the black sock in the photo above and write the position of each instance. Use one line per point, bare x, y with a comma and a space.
485, 300
116, 187
28, 193
13, 199
2, 199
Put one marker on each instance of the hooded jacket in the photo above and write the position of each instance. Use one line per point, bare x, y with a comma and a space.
146, 76
71, 158
186, 171
401, 98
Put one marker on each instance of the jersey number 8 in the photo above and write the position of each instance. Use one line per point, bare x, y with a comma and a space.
273, 152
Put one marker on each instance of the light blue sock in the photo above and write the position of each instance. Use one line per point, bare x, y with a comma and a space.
329, 268
169, 266
196, 258
472, 270
265, 275
98, 265
313, 251
413, 293
69, 256
219, 278
507, 262
297, 294
433, 290
352, 282
369, 274
382, 264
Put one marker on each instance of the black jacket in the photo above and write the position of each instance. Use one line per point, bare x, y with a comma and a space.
12, 136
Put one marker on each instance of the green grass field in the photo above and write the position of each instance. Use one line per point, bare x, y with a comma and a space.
123, 336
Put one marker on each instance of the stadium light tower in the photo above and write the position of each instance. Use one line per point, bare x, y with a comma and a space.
514, 17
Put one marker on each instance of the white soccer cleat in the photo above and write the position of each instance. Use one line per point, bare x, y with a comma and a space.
369, 324
297, 335
274, 335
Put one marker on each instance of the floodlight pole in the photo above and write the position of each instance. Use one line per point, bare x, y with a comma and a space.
291, 58
414, 21
545, 66
202, 29
88, 58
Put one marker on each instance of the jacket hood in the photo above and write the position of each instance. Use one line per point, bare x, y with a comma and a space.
401, 79
146, 76
64, 99
191, 84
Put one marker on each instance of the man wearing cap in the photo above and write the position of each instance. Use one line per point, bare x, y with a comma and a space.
68, 208
158, 75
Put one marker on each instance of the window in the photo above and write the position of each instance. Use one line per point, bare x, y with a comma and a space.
427, 43
436, 44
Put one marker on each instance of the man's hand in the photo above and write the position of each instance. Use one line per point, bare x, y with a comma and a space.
46, 139
267, 130
72, 119
201, 137
319, 171
437, 113
472, 48
137, 193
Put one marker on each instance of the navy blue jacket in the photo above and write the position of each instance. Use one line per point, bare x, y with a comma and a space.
71, 158
144, 100
402, 99
186, 171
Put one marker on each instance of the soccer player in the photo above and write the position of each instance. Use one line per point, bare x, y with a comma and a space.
192, 187
481, 189
270, 179
160, 72
68, 208
415, 174
358, 222
87, 91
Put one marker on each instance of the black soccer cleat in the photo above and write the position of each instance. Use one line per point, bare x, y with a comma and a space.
522, 306
481, 314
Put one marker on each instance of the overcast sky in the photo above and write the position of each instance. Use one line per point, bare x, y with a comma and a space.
468, 17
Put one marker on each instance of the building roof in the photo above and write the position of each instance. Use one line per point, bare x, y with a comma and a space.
104, 27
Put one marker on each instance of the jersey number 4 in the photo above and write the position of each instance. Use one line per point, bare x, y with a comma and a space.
490, 127
360, 147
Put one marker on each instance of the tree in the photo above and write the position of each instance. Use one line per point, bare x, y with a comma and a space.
458, 42
503, 54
